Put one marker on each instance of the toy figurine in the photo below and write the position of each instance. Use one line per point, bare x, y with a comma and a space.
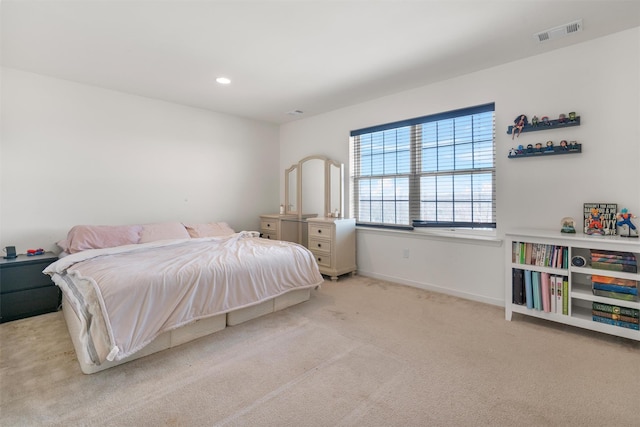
562, 118
572, 117
568, 225
573, 145
539, 147
595, 222
519, 123
624, 221
563, 145
534, 121
529, 148
545, 121
549, 147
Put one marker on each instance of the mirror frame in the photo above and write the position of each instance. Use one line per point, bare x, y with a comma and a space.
328, 164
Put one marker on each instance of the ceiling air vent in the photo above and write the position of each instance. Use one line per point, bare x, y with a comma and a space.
558, 32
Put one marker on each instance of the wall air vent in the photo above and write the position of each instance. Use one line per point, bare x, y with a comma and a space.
558, 32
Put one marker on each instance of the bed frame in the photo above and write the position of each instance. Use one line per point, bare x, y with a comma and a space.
187, 333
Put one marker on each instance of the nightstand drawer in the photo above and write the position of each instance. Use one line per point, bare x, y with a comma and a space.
320, 245
323, 259
270, 235
17, 305
319, 231
19, 276
266, 225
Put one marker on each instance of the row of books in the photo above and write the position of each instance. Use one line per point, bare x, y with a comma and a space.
541, 291
623, 317
613, 287
614, 261
540, 254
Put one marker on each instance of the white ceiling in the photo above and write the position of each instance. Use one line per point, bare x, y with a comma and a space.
314, 56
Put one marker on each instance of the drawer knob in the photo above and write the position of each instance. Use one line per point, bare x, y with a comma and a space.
319, 231
319, 245
319, 259
268, 225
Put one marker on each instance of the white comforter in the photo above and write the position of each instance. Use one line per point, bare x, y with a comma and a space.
128, 295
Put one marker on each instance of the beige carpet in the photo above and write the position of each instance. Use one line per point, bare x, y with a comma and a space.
360, 353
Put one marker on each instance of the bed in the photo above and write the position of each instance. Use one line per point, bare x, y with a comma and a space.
131, 291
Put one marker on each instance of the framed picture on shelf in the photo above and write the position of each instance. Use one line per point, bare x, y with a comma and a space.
600, 218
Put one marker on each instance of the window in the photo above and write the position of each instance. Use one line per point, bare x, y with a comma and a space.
433, 171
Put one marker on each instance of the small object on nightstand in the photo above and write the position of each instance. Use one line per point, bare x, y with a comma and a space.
10, 252
32, 252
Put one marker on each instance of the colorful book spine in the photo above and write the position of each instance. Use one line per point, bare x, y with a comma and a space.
565, 295
528, 287
537, 295
546, 295
616, 288
615, 316
615, 267
615, 295
614, 281
615, 309
616, 322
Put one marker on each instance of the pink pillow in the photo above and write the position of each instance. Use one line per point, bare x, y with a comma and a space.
213, 229
83, 237
163, 231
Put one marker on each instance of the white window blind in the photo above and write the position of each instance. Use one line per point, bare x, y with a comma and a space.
432, 171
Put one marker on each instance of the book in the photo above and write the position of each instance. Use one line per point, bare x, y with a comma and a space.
615, 288
600, 218
546, 302
612, 254
518, 286
614, 267
552, 293
615, 316
615, 295
613, 280
537, 296
558, 280
616, 322
615, 309
528, 289
565, 295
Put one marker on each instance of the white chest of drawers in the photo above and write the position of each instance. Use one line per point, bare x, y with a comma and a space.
333, 243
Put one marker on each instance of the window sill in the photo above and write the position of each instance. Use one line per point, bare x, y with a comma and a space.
488, 237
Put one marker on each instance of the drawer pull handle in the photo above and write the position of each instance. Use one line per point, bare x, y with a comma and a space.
319, 259
319, 231
319, 245
268, 225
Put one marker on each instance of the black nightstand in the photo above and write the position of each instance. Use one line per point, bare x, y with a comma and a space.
24, 290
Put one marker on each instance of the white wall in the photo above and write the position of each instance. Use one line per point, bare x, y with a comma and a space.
77, 154
600, 80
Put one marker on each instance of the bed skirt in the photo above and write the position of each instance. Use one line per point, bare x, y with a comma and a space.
186, 333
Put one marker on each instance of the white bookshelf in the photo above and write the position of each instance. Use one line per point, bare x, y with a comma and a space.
580, 295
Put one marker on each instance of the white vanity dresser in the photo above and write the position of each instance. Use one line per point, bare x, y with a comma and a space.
313, 215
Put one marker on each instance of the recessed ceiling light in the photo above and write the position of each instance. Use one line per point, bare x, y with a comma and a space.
223, 80
295, 112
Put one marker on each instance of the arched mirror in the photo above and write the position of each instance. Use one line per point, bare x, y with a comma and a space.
291, 189
314, 187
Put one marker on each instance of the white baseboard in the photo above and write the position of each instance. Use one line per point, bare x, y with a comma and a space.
434, 288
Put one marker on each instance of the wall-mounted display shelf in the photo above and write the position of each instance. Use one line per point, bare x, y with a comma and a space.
551, 124
580, 280
544, 152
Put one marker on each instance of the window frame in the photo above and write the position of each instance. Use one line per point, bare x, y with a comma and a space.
416, 172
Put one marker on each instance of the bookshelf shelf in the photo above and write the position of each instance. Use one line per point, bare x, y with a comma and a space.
546, 254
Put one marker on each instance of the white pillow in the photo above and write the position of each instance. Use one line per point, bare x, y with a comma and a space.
163, 231
212, 229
